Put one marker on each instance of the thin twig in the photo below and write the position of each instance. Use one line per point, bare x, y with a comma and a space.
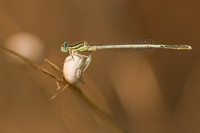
55, 67
74, 88
30, 63
59, 92
97, 110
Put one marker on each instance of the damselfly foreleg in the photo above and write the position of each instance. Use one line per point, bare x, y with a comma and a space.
86, 62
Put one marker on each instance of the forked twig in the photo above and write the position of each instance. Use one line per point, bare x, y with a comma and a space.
55, 67
30, 63
59, 92
94, 107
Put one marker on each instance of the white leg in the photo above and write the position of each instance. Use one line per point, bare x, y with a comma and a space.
59, 92
82, 57
71, 53
86, 64
58, 86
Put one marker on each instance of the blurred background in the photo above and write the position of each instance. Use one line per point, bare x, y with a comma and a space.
156, 93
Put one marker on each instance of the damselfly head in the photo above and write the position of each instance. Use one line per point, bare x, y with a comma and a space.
64, 48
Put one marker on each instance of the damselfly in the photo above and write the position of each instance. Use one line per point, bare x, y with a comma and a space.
144, 44
76, 64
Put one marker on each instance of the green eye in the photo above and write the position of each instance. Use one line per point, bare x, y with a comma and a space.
64, 47
65, 44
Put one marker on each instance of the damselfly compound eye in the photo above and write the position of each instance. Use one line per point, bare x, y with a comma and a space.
64, 48
65, 44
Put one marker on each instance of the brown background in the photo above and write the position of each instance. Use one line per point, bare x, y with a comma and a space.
153, 93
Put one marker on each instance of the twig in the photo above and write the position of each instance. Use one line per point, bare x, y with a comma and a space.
74, 88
